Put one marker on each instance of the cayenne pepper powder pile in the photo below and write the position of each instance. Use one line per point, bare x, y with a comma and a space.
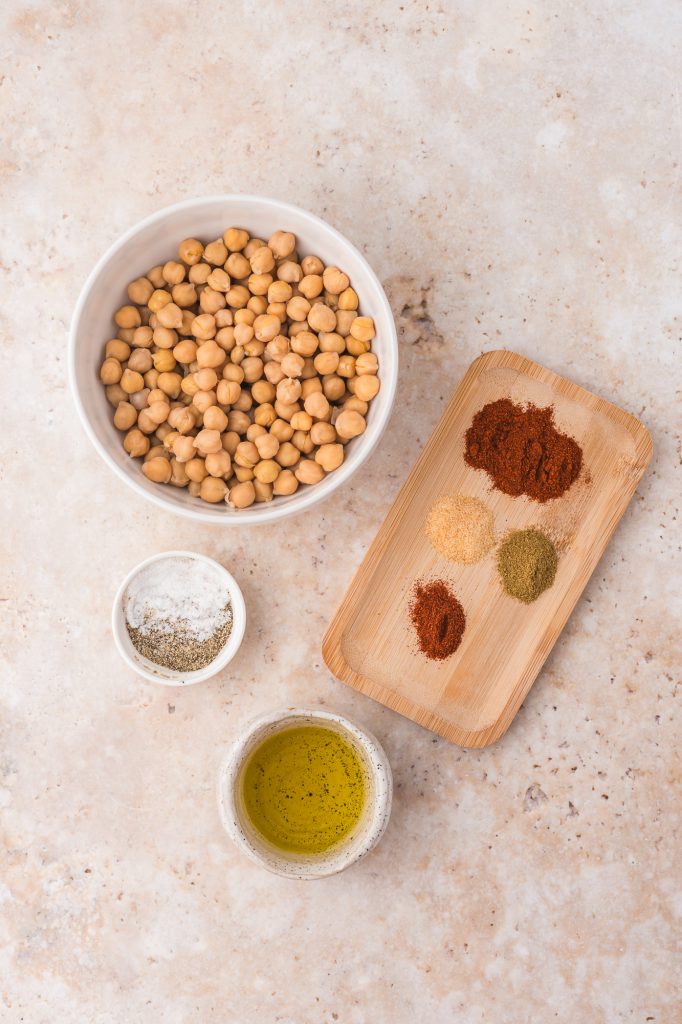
522, 451
438, 618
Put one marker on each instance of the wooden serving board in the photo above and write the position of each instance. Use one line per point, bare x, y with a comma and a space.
472, 697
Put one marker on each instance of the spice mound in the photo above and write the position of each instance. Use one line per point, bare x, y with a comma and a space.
522, 451
178, 613
460, 528
438, 619
527, 561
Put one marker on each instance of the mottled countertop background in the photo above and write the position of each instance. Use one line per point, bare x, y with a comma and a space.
511, 170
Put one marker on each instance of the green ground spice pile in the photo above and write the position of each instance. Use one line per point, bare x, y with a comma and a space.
176, 648
527, 561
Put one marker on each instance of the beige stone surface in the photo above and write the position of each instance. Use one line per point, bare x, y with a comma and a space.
511, 170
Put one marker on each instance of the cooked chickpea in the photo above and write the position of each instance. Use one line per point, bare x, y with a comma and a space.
350, 424
304, 343
242, 495
238, 421
184, 449
321, 317
127, 317
246, 454
262, 392
157, 469
115, 394
158, 411
366, 363
355, 405
287, 454
125, 416
184, 295
213, 489
310, 286
190, 251
196, 469
258, 286
316, 405
130, 380
237, 266
267, 445
210, 355
298, 308
179, 476
207, 441
282, 430
204, 326
238, 296
164, 337
215, 253
230, 441
282, 244
288, 391
280, 291
344, 319
203, 400
169, 383
215, 419
286, 483
322, 433
310, 386
219, 463
266, 471
302, 440
227, 392
309, 472
194, 488
158, 299
312, 265
135, 443
219, 280
235, 239
185, 352
164, 360
267, 327
211, 301
262, 261
139, 398
346, 367
181, 419
290, 272
333, 387
143, 337
200, 273
348, 299
326, 362
366, 388
273, 373
140, 360
139, 291
329, 456
111, 371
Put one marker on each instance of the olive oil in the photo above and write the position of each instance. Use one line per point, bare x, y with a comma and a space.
305, 789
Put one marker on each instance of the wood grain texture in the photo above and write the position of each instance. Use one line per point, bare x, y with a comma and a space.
472, 697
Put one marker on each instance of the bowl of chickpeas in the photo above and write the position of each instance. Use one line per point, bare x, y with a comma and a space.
234, 359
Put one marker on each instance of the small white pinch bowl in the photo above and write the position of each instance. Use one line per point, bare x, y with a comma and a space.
157, 673
291, 865
156, 240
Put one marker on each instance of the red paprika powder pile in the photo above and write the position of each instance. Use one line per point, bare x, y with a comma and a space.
438, 618
522, 451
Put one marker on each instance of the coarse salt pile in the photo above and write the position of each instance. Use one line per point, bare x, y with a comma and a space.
178, 613
461, 528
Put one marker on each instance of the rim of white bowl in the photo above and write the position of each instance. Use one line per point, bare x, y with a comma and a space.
300, 867
265, 512
168, 677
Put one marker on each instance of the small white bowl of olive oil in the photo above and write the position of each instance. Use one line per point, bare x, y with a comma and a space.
305, 792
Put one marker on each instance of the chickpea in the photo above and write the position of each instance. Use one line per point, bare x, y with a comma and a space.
140, 290
183, 420
157, 452
242, 495
184, 295
158, 412
273, 373
254, 431
235, 239
354, 404
366, 387
215, 419
326, 362
125, 416
219, 463
266, 327
164, 360
237, 266
194, 488
259, 284
131, 381
266, 471
231, 372
158, 299
145, 423
111, 371
286, 483
170, 383
155, 275
140, 360
196, 469
210, 355
219, 280
190, 251
263, 491
173, 272
346, 367
179, 476
302, 441
278, 309
215, 253
204, 327
366, 363
290, 272
200, 273
330, 341
246, 454
304, 343
282, 430
128, 316
262, 261
213, 489
139, 398
344, 318
206, 379
203, 400
349, 424
238, 296
151, 378
301, 421
207, 441
115, 394
282, 244
329, 456
288, 391
280, 291
322, 433
321, 318
287, 455
184, 449
277, 348
230, 441
243, 333
164, 431
227, 392
211, 301
335, 281
262, 392
267, 445
117, 349
185, 352
362, 328
135, 443
285, 410
309, 472
238, 421
298, 308
253, 369
292, 364
312, 265
157, 469
265, 415
310, 386
165, 337
316, 405
225, 337
310, 286
348, 299
333, 387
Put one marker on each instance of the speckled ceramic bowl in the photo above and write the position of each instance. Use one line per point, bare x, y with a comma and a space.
371, 826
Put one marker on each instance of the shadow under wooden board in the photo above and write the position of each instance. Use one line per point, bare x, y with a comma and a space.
472, 697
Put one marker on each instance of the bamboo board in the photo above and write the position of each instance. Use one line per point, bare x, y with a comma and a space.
472, 697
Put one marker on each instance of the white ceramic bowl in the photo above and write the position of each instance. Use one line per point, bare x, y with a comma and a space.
156, 673
154, 241
236, 820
